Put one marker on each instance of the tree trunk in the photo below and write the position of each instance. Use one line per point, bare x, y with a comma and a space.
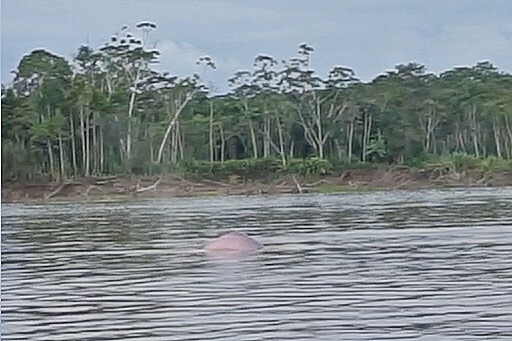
222, 144
320, 137
181, 142
174, 144
429, 128
188, 98
350, 140
253, 140
509, 133
62, 160
475, 143
267, 131
339, 149
266, 140
50, 158
309, 132
87, 143
102, 150
369, 132
474, 132
497, 139
460, 139
122, 149
363, 142
82, 134
129, 129
151, 147
251, 131
212, 158
95, 146
49, 145
321, 150
130, 114
73, 144
281, 140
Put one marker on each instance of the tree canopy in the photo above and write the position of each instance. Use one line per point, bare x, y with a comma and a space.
108, 111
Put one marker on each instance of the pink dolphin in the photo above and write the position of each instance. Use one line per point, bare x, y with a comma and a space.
232, 243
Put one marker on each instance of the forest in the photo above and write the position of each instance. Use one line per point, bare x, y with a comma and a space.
109, 111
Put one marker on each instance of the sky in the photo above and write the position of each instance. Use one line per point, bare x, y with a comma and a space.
370, 36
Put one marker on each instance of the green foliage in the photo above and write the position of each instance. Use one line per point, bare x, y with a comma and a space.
247, 168
493, 163
376, 150
342, 166
18, 162
257, 168
420, 160
463, 161
108, 111
311, 166
459, 162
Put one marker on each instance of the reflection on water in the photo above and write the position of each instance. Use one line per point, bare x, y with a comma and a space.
428, 265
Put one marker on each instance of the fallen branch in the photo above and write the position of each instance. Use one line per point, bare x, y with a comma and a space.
482, 180
297, 185
402, 184
344, 175
60, 188
93, 187
145, 189
316, 183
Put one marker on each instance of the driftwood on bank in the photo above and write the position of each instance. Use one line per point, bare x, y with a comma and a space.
59, 189
148, 188
91, 187
297, 185
316, 183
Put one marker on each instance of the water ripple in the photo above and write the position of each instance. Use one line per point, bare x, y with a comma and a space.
423, 265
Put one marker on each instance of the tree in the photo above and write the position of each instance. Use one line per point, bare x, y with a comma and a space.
243, 90
110, 111
207, 62
128, 59
41, 79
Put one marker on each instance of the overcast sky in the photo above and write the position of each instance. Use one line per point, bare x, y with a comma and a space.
371, 36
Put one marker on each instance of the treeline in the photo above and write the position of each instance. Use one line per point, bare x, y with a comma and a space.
108, 111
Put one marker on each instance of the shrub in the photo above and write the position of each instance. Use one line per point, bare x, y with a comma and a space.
459, 162
248, 168
312, 166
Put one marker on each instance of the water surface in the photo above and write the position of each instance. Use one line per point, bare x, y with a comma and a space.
425, 265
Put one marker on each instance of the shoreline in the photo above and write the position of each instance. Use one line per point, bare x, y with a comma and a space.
171, 186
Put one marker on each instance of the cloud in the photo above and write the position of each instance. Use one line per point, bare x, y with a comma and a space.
179, 58
481, 42
369, 36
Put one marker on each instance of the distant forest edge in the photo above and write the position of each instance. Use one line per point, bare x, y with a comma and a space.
108, 111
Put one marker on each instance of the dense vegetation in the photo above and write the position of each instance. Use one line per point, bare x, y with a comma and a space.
109, 111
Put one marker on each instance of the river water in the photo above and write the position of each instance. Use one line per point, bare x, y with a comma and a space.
422, 265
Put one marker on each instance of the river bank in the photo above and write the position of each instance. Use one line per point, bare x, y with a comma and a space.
126, 187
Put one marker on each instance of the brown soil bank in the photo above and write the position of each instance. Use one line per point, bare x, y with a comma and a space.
118, 187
